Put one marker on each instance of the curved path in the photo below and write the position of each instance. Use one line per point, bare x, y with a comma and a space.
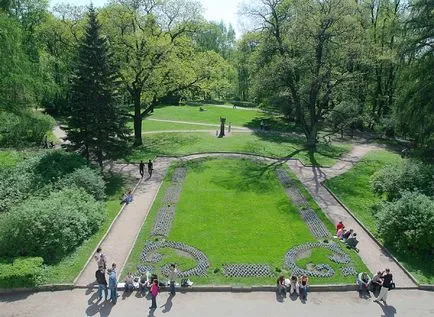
122, 235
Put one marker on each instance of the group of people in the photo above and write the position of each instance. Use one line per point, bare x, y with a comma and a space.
146, 283
293, 285
347, 236
142, 168
381, 283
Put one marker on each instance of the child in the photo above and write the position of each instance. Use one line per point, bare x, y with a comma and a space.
154, 292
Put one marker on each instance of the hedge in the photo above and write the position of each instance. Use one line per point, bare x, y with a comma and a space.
23, 272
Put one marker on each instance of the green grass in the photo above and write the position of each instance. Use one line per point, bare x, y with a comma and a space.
353, 189
238, 117
235, 211
261, 144
149, 125
68, 268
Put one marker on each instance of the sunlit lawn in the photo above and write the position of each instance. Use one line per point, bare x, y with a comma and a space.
236, 212
261, 144
353, 188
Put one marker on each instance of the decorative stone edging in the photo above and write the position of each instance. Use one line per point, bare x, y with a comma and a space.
320, 270
312, 220
201, 259
246, 270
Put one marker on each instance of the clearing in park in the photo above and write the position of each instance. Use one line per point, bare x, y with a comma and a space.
235, 212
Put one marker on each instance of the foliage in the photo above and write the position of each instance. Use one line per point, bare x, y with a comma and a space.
86, 178
409, 175
407, 224
96, 122
31, 176
50, 227
23, 272
24, 128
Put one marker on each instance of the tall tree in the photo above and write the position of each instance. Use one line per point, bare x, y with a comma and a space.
97, 121
305, 51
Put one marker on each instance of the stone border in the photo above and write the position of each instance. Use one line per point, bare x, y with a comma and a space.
420, 286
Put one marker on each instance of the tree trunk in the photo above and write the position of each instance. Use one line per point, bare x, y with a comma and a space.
137, 120
311, 139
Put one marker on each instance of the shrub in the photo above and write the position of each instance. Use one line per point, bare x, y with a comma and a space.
31, 176
86, 178
23, 272
51, 227
24, 128
409, 175
407, 224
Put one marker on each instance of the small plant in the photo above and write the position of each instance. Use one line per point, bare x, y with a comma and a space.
278, 269
216, 270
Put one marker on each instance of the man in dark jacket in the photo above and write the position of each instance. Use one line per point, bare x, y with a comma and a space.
102, 283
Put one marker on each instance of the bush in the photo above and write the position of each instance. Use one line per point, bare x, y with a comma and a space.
86, 178
31, 176
51, 227
24, 128
407, 224
410, 175
23, 272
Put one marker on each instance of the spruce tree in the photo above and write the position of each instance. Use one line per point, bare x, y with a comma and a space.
97, 120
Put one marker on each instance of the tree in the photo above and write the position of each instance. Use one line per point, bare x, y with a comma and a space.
97, 121
407, 224
415, 107
306, 48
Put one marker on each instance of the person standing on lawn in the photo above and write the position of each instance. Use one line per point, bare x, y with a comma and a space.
154, 292
387, 284
173, 274
102, 283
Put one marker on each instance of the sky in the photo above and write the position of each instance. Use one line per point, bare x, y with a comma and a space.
214, 10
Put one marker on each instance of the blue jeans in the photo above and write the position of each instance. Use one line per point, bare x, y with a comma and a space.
129, 287
100, 288
172, 287
303, 291
113, 294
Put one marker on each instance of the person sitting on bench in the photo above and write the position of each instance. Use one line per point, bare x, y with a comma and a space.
129, 283
352, 241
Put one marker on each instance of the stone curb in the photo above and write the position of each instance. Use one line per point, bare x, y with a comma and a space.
208, 288
104, 236
376, 241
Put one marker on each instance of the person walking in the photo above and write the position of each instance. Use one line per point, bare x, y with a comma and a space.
385, 286
154, 292
173, 274
100, 258
150, 168
113, 283
102, 283
141, 168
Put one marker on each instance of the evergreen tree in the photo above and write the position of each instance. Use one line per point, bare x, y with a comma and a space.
97, 121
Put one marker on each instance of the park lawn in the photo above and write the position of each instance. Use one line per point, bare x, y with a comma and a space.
211, 114
150, 125
353, 189
68, 268
236, 212
272, 145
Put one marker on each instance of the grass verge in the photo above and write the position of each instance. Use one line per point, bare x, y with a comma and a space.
353, 188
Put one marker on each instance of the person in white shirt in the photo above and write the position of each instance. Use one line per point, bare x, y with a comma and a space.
173, 274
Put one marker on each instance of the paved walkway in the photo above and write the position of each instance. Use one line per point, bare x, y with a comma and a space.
81, 302
199, 123
372, 255
121, 237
